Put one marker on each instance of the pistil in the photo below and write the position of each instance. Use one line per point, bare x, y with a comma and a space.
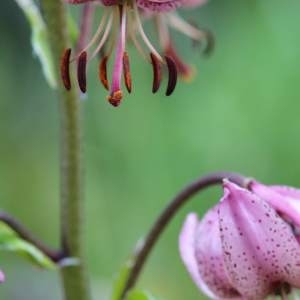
116, 94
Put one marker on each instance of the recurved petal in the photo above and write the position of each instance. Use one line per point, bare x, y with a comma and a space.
285, 200
80, 1
187, 240
259, 246
193, 3
210, 257
159, 5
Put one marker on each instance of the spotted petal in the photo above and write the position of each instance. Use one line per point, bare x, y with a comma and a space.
193, 3
187, 239
260, 250
285, 200
159, 5
210, 258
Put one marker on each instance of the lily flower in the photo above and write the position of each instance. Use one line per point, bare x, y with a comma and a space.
120, 22
241, 249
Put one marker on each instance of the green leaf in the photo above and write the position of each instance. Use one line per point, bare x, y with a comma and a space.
121, 280
11, 242
39, 39
140, 295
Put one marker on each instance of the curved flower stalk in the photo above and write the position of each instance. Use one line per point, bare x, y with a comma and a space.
121, 20
241, 249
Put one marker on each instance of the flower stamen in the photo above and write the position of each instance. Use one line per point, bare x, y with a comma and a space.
191, 31
143, 35
81, 71
127, 74
163, 31
184, 70
184, 27
98, 32
94, 38
172, 72
65, 68
104, 37
157, 74
103, 72
85, 26
137, 45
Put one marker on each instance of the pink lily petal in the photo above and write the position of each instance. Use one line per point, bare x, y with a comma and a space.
285, 200
193, 3
210, 257
109, 2
2, 277
79, 1
159, 5
260, 250
287, 191
187, 252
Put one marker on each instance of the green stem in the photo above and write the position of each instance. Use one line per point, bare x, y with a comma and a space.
74, 278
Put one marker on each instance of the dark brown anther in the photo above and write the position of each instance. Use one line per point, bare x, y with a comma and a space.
209, 40
103, 72
157, 74
126, 71
183, 69
172, 72
210, 43
65, 68
81, 71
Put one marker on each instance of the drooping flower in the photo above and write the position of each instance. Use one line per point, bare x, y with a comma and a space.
241, 249
121, 20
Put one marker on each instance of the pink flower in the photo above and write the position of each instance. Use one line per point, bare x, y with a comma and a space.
2, 277
241, 249
122, 21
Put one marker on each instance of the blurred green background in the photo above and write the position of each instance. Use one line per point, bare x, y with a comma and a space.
241, 113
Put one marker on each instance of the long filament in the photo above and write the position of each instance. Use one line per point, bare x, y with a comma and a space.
182, 26
143, 35
95, 37
113, 33
138, 46
104, 37
163, 31
98, 32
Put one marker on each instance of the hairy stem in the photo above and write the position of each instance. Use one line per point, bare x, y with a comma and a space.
74, 278
166, 216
